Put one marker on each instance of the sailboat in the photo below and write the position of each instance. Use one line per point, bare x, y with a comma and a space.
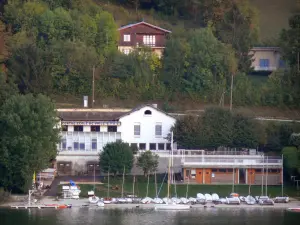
173, 205
93, 199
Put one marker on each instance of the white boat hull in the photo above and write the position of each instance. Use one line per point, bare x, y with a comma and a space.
172, 207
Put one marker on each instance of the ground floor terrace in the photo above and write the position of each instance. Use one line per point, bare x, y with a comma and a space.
232, 175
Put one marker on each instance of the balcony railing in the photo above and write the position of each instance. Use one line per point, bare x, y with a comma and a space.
239, 161
265, 68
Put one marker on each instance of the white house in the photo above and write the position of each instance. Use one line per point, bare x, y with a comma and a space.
86, 131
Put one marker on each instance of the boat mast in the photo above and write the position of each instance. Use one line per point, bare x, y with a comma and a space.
147, 186
94, 176
282, 176
169, 166
262, 177
155, 184
123, 182
187, 187
108, 182
267, 177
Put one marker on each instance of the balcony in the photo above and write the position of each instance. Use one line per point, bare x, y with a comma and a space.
265, 68
225, 161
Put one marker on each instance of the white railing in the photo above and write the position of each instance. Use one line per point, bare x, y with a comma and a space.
265, 68
239, 161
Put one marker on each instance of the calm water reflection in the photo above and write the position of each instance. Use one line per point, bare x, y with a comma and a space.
88, 216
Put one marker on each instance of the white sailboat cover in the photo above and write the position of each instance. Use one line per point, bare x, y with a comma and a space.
215, 197
208, 198
200, 196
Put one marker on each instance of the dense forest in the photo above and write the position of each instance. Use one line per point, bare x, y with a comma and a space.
52, 46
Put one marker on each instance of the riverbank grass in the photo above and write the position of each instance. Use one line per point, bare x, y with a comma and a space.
140, 189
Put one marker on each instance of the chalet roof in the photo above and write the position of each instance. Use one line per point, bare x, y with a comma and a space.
145, 23
265, 48
100, 114
90, 115
146, 105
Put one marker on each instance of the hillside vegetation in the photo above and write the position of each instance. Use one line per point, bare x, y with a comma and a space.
52, 47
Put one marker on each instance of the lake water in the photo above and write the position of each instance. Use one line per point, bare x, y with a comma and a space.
89, 216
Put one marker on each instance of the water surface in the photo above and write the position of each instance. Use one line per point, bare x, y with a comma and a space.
93, 216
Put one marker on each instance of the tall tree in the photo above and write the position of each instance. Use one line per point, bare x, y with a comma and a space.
115, 156
148, 162
29, 139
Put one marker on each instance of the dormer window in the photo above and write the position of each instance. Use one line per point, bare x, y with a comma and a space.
147, 112
126, 37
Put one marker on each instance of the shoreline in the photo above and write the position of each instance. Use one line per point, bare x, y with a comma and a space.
84, 202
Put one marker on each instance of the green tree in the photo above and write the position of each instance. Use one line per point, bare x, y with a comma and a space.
29, 139
148, 162
245, 132
115, 156
291, 161
7, 88
187, 132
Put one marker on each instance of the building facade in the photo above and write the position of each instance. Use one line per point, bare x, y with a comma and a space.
142, 34
85, 132
243, 168
266, 59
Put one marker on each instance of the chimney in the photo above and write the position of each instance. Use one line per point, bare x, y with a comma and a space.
85, 101
154, 105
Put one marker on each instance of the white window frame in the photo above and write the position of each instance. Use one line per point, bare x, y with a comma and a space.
126, 37
158, 134
149, 40
126, 51
137, 133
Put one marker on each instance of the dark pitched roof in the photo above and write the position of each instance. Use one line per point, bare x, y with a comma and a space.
148, 24
90, 115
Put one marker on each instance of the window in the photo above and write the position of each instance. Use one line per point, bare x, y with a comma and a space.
152, 146
127, 37
137, 130
258, 170
168, 146
82, 146
214, 170
78, 128
149, 40
147, 112
95, 128
193, 172
76, 145
264, 63
161, 146
64, 144
142, 146
112, 128
94, 144
64, 128
222, 170
158, 130
230, 170
126, 51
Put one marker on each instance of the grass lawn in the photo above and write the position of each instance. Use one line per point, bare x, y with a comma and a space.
141, 189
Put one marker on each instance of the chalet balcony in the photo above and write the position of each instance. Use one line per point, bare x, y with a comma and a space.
265, 68
228, 161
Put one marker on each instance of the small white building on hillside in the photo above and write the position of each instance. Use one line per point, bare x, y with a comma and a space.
86, 131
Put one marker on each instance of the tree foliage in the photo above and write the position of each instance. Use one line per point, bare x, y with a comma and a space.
148, 162
115, 157
215, 128
28, 139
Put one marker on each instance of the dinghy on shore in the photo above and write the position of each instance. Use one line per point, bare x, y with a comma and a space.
215, 198
201, 198
93, 200
208, 198
233, 201
250, 200
281, 199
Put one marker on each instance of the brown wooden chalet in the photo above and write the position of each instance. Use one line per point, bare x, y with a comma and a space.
142, 34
